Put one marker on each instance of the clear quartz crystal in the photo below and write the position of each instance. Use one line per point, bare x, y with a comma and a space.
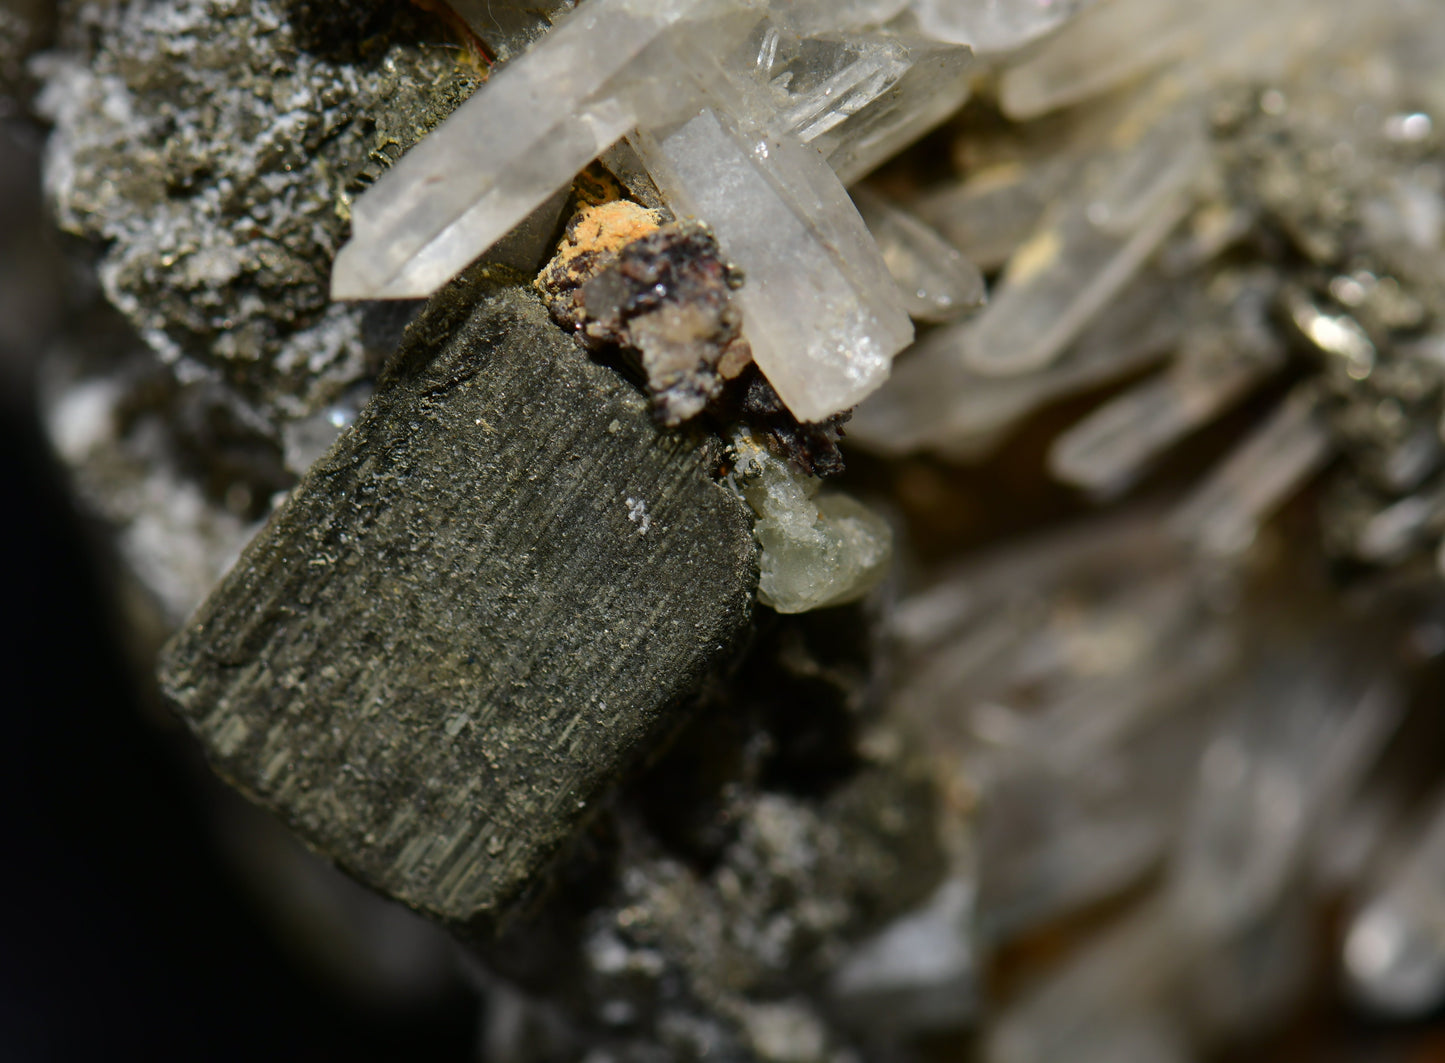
1061, 691
937, 282
916, 85
1112, 446
1117, 41
502, 154
990, 215
1087, 247
750, 118
781, 215
1292, 748
934, 400
1397, 528
1223, 515
858, 96
993, 26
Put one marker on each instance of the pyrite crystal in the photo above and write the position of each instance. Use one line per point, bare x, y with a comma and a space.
1129, 316
471, 615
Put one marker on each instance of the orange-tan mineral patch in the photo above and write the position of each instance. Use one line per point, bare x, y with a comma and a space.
604, 230
594, 237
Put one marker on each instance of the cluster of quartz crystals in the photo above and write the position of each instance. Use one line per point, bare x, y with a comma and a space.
749, 116
1238, 192
1167, 716
1218, 750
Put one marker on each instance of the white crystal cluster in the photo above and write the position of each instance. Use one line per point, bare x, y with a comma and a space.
1127, 213
752, 116
1125, 728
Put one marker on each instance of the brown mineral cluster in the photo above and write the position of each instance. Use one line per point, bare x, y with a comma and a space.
660, 292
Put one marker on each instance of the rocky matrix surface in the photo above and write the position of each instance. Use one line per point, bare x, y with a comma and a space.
1107, 730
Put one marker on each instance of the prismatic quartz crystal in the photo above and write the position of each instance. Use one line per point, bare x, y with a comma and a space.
749, 117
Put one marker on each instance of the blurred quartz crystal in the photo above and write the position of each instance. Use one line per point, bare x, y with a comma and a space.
1394, 950
1191, 184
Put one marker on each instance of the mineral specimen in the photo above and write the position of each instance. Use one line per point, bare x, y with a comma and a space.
448, 642
211, 151
660, 292
721, 149
1063, 786
817, 549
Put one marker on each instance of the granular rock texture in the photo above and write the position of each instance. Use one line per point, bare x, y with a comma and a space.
211, 148
702, 916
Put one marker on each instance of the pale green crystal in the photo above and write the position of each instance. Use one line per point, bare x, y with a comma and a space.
818, 549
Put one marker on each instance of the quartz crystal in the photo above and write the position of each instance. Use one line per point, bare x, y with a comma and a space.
749, 119
937, 282
501, 155
747, 187
993, 26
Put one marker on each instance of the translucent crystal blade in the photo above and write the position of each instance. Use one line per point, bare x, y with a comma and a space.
1119, 40
1108, 44
1081, 256
937, 282
1112, 446
503, 153
993, 26
1394, 950
859, 97
820, 310
1058, 688
1300, 731
934, 401
990, 215
932, 84
1224, 514
1398, 528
